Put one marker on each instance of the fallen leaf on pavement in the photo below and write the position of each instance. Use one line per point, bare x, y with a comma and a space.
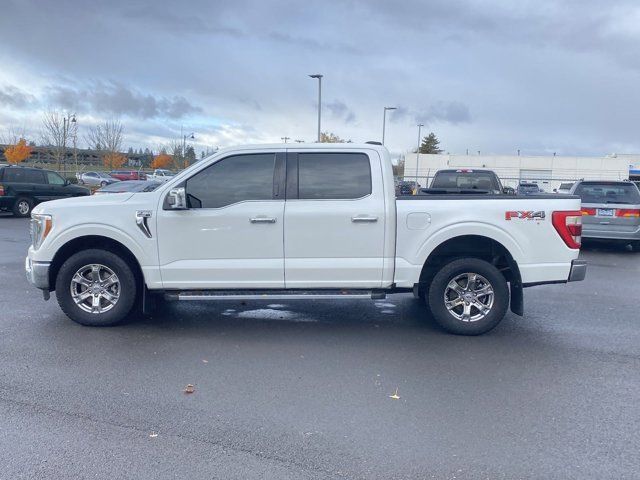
189, 389
153, 435
395, 396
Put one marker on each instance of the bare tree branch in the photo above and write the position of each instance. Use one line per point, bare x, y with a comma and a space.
106, 136
56, 132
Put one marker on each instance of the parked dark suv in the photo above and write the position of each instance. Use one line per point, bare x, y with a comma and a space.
21, 188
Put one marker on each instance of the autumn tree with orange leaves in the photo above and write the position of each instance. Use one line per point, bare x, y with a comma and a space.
114, 160
17, 153
163, 160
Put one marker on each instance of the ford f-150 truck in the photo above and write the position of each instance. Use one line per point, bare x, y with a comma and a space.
300, 222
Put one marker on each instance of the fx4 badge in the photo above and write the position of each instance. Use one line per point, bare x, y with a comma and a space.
525, 215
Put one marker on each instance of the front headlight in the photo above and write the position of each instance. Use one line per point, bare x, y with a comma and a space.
40, 227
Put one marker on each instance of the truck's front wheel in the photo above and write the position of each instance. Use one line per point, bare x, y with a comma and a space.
468, 296
96, 288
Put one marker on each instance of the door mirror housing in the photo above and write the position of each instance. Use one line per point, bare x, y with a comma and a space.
176, 199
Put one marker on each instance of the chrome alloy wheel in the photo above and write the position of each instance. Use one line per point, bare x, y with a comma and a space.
469, 297
23, 207
95, 288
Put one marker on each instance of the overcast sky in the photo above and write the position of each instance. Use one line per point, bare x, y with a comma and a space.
494, 75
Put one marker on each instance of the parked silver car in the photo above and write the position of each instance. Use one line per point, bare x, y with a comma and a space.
95, 179
610, 210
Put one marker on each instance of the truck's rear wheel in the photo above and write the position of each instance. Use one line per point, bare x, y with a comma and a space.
468, 296
96, 288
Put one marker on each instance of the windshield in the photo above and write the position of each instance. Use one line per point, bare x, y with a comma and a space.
608, 193
465, 180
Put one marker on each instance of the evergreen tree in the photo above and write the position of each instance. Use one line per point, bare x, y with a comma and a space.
430, 144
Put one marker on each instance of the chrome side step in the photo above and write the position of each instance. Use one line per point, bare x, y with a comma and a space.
272, 294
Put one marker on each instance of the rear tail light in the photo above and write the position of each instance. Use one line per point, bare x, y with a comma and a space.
588, 211
628, 213
1, 190
568, 224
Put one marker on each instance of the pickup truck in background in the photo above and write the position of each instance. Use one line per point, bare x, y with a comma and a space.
161, 175
466, 181
299, 222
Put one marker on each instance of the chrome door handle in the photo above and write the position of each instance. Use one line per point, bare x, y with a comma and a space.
262, 220
363, 219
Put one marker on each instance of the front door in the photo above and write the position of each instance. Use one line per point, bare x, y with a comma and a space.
334, 226
57, 186
231, 236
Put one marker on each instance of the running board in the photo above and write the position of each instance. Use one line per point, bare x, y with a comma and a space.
272, 294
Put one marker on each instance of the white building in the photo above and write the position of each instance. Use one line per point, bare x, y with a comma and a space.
547, 171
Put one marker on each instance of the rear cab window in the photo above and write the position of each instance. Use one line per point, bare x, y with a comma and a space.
465, 180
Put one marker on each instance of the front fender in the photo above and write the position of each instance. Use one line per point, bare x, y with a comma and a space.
137, 246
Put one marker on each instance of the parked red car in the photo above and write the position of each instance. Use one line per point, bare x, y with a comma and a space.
128, 175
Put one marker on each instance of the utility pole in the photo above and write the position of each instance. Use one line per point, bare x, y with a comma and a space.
420, 125
285, 139
384, 120
319, 77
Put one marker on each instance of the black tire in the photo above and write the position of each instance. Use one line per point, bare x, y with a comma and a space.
22, 207
484, 321
103, 184
127, 290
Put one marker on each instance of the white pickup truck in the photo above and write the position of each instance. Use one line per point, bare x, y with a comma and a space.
161, 175
300, 222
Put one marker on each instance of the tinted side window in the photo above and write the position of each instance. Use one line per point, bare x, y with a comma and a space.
333, 175
54, 178
232, 180
34, 176
15, 175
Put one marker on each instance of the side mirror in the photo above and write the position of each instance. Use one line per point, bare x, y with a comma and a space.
176, 199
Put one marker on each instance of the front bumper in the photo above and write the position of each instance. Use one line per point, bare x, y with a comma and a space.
37, 273
578, 271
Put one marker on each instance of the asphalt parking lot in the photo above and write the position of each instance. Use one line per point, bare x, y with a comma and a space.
302, 390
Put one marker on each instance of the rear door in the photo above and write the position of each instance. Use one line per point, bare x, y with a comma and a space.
334, 230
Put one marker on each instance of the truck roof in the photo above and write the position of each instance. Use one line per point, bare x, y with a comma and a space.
305, 146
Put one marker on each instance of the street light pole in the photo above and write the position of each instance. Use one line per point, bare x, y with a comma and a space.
420, 125
319, 77
384, 120
66, 120
184, 146
285, 139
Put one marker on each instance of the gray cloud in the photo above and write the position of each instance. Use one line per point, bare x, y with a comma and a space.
13, 97
114, 98
439, 112
340, 109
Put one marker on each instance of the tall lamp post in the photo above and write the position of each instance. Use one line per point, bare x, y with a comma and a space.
420, 125
184, 145
384, 120
319, 77
66, 121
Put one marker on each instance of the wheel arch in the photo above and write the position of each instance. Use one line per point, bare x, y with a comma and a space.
87, 242
475, 246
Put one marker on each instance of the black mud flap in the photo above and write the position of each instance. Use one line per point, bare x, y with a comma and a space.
149, 301
517, 299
